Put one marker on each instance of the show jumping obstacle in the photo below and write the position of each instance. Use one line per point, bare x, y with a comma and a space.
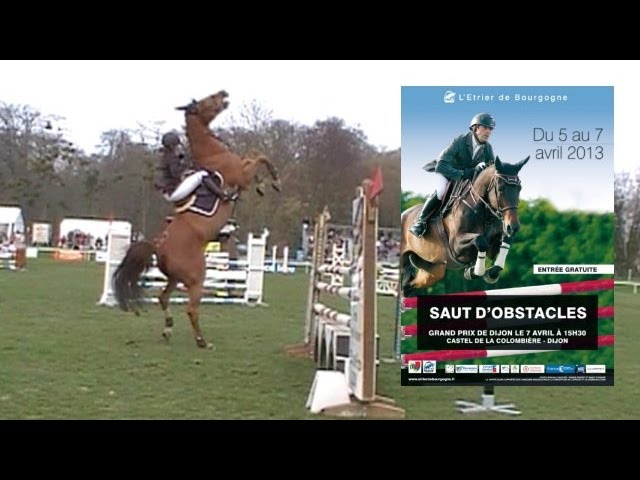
226, 281
329, 331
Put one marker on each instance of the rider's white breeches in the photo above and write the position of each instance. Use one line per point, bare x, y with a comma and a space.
187, 186
441, 185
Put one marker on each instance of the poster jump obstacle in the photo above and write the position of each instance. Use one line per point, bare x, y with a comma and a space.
488, 403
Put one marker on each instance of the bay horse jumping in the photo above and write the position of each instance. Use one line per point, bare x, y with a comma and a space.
180, 248
482, 221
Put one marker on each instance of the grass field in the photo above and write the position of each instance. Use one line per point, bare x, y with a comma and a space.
64, 357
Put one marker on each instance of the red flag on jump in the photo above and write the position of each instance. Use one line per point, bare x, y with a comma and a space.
377, 184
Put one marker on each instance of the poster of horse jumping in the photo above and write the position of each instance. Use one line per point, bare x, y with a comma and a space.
507, 192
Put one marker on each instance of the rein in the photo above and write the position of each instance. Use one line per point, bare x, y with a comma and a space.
496, 212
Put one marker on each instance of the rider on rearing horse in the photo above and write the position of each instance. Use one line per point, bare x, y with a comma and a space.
467, 154
174, 163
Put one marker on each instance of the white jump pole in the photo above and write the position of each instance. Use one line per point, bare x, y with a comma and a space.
285, 259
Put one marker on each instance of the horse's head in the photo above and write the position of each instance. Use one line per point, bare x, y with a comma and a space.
503, 193
208, 108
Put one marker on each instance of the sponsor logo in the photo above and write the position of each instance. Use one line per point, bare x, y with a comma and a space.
580, 369
560, 369
449, 368
488, 368
532, 368
415, 366
515, 368
449, 96
504, 368
428, 366
466, 368
596, 369
567, 369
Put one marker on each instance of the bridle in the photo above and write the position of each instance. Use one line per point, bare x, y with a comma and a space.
513, 180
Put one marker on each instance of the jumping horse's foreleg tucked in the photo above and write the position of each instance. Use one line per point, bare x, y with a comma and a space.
163, 299
493, 274
481, 244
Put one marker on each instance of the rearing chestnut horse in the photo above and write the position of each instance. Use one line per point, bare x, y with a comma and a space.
180, 248
482, 221
211, 153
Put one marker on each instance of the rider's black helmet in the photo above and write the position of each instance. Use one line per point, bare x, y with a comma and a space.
171, 139
484, 119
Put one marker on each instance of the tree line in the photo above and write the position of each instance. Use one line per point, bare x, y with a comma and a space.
547, 236
50, 178
627, 208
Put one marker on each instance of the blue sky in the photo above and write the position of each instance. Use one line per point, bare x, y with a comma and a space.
429, 124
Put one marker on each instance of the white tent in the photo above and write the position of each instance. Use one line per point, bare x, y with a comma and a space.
11, 221
95, 227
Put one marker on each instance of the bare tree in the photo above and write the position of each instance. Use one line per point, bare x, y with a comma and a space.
319, 165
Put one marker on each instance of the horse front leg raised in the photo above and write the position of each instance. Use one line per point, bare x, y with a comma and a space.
257, 178
249, 167
163, 298
481, 244
493, 274
273, 171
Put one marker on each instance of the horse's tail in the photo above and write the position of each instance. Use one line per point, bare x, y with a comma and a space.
125, 278
407, 273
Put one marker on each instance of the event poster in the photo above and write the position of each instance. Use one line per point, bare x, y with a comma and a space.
519, 183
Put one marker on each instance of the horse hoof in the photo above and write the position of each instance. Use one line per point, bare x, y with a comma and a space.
492, 275
200, 342
277, 186
468, 273
166, 334
489, 279
210, 346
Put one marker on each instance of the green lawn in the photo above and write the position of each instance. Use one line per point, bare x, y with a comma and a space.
64, 357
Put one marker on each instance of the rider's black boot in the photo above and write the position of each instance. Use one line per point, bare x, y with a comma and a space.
419, 227
215, 188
